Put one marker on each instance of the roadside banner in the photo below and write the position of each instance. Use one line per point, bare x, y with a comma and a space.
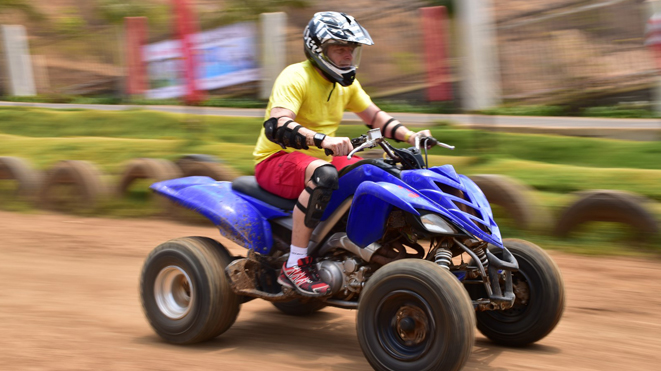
228, 56
165, 69
225, 56
653, 37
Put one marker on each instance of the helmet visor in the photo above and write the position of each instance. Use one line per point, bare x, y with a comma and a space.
342, 54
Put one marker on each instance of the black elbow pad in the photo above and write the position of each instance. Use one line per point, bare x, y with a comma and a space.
270, 127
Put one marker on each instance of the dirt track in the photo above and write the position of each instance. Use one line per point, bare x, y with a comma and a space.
69, 300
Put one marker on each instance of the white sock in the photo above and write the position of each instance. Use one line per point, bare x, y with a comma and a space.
296, 253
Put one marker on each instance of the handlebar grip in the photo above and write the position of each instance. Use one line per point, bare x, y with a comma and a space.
431, 140
328, 152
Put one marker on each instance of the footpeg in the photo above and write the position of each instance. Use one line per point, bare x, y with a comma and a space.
251, 278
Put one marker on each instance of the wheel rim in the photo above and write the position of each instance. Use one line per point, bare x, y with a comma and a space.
405, 325
173, 292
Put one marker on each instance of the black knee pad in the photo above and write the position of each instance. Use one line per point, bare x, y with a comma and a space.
325, 179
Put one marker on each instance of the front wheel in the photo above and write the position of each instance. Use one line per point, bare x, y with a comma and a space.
185, 293
540, 298
415, 315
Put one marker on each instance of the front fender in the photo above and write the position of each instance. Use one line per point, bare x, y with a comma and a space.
372, 204
235, 217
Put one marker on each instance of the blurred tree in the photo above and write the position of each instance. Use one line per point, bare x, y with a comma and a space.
70, 23
449, 4
114, 11
22, 6
247, 10
158, 15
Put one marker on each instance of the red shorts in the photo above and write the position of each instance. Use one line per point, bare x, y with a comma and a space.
283, 173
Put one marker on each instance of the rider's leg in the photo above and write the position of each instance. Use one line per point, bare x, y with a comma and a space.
300, 234
299, 271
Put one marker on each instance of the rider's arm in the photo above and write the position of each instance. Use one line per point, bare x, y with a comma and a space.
390, 127
286, 131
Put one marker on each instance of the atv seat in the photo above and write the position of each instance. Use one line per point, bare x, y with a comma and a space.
248, 186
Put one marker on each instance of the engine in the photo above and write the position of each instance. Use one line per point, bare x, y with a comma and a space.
345, 277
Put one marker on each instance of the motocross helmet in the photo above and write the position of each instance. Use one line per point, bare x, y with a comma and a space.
327, 28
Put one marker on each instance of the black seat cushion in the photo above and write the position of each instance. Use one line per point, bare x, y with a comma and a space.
248, 186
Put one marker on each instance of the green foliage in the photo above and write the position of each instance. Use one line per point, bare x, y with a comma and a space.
526, 111
618, 112
390, 105
448, 4
70, 23
247, 10
24, 7
114, 11
407, 62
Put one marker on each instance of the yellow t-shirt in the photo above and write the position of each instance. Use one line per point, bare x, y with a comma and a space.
302, 90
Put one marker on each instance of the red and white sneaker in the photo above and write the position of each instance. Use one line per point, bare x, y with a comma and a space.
303, 277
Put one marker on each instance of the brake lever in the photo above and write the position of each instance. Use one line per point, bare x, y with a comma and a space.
433, 140
368, 144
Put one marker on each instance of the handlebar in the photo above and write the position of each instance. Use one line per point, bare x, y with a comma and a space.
432, 140
374, 138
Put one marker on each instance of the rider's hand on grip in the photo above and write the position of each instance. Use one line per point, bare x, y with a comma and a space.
423, 135
337, 146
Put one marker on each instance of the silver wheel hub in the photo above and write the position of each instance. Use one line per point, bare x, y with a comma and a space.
173, 292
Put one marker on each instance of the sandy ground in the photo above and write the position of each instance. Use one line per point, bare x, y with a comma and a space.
69, 301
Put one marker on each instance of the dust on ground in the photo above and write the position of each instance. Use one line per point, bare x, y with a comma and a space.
69, 300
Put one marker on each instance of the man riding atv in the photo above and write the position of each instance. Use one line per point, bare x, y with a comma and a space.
304, 112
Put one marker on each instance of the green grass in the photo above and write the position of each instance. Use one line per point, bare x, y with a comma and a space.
554, 165
625, 110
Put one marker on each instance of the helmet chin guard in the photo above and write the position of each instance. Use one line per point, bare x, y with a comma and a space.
327, 28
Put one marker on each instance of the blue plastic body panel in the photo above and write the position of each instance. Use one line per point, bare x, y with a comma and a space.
350, 182
426, 181
245, 220
238, 219
376, 191
373, 202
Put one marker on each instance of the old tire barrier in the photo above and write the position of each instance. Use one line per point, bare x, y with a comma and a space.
517, 199
72, 185
608, 206
206, 165
146, 168
20, 170
155, 170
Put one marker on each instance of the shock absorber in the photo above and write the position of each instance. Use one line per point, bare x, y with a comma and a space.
443, 257
483, 257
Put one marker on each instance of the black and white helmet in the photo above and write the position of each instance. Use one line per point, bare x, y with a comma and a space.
327, 28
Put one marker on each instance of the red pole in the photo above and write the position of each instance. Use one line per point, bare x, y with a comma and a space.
136, 36
434, 25
186, 28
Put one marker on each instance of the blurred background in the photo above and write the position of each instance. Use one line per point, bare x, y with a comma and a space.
463, 69
573, 55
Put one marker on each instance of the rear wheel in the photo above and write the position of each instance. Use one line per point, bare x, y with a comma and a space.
540, 298
185, 293
415, 315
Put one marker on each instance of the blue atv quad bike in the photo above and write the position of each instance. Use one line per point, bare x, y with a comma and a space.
414, 249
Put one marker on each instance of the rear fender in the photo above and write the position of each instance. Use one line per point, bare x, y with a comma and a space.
236, 218
372, 204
